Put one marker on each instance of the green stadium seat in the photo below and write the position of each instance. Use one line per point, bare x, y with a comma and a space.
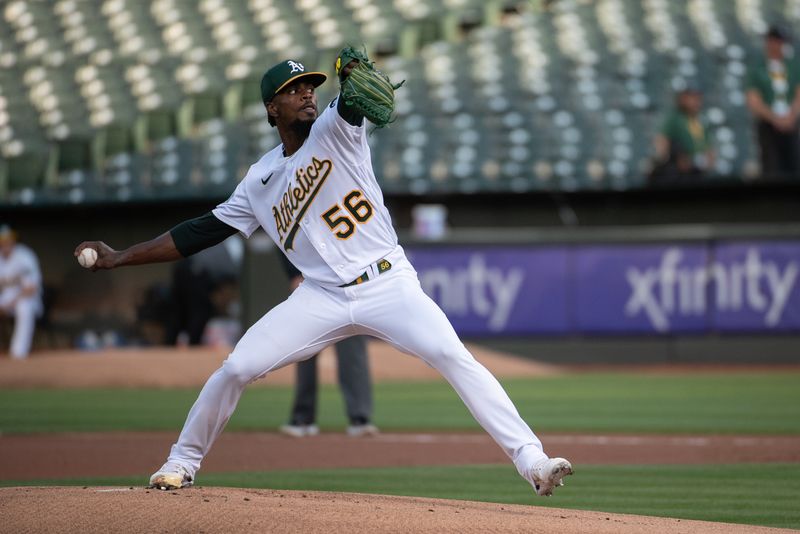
116, 138
74, 154
201, 108
158, 125
240, 95
26, 170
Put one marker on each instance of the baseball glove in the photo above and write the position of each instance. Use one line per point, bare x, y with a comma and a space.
368, 90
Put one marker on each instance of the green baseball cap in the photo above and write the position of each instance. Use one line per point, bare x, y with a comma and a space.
285, 73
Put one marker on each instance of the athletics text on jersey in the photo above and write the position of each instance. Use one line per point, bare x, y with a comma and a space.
322, 205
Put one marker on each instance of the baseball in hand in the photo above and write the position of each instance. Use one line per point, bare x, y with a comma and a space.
87, 257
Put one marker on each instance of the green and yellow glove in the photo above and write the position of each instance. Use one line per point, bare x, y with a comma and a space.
369, 91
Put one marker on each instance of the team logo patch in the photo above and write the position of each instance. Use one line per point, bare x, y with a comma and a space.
296, 67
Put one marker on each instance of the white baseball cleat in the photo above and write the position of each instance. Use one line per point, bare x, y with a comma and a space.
548, 474
170, 477
299, 431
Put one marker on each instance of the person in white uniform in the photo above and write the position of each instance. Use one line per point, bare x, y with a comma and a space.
20, 290
316, 196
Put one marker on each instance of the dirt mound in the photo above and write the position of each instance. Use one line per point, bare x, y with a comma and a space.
167, 367
234, 510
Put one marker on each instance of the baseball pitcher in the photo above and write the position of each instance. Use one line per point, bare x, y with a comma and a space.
316, 196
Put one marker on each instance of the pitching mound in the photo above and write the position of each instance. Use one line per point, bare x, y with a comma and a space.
234, 510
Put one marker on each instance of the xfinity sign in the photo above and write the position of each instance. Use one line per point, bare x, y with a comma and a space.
487, 292
756, 286
497, 290
747, 284
615, 289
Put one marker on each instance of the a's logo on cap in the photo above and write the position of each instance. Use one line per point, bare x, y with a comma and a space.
296, 67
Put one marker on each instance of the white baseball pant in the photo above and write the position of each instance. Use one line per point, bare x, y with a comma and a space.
391, 307
24, 310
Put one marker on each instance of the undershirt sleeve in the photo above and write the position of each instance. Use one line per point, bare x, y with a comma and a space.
200, 233
349, 113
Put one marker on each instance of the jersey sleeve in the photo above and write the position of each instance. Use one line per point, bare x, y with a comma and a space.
670, 127
346, 140
751, 77
237, 211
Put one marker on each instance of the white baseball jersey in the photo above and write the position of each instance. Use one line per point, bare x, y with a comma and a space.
322, 205
20, 269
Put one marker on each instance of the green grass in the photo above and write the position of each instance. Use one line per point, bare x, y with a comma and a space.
764, 494
761, 403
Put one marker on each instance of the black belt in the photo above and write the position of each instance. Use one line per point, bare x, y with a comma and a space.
381, 265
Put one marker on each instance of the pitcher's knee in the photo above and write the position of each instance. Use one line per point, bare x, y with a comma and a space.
239, 371
449, 354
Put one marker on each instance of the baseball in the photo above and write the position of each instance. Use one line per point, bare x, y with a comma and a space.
87, 257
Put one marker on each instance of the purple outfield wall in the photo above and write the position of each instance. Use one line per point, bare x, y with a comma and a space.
727, 286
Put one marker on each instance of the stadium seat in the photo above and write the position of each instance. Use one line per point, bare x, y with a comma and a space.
26, 170
157, 125
115, 138
73, 153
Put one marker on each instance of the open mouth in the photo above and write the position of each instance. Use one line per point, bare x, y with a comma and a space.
309, 108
